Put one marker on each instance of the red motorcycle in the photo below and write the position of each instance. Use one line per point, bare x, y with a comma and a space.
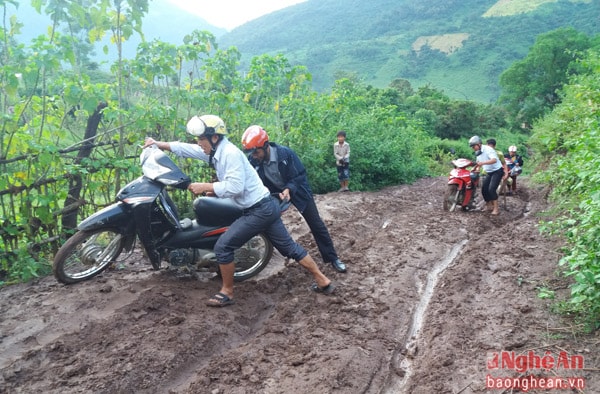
462, 185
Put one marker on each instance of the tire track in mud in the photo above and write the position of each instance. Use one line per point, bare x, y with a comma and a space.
396, 230
401, 361
208, 337
155, 306
46, 327
254, 318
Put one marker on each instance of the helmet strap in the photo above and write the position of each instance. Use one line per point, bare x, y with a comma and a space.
213, 148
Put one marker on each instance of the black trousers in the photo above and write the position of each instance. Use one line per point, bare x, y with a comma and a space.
490, 185
319, 231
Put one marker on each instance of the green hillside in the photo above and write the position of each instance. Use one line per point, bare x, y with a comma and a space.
459, 46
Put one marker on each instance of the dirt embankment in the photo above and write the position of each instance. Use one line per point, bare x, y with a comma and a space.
429, 300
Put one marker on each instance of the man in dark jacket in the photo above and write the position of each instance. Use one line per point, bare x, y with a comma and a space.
282, 172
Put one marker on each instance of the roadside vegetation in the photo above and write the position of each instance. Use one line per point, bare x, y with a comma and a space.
70, 133
566, 142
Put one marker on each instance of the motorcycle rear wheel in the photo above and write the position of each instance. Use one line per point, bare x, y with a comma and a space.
451, 198
252, 257
86, 254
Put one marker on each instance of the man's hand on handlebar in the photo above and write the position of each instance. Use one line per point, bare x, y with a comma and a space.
149, 141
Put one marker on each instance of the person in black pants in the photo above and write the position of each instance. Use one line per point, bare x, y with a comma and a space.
282, 172
487, 158
237, 180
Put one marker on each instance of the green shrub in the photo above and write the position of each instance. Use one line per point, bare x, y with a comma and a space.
567, 142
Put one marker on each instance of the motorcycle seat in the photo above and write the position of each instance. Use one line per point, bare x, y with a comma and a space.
213, 211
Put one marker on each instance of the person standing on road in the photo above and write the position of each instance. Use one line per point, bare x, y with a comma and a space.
282, 172
487, 158
341, 151
238, 181
515, 164
492, 143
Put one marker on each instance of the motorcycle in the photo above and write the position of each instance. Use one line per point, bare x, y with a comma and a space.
462, 186
144, 211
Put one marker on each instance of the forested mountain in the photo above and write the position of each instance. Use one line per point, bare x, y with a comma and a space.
459, 46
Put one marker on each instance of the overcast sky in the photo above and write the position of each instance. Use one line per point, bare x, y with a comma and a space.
229, 14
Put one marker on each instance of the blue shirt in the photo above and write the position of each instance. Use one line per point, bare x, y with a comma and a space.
237, 179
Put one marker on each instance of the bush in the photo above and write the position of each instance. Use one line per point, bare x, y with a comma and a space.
568, 144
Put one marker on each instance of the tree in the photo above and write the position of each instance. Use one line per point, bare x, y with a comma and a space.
72, 203
460, 120
403, 86
530, 86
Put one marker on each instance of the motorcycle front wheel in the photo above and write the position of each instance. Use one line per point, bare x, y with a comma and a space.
451, 198
86, 254
252, 257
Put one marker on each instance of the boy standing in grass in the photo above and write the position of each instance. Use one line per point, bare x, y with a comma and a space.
341, 151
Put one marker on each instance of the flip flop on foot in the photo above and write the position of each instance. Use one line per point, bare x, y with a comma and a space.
323, 290
219, 300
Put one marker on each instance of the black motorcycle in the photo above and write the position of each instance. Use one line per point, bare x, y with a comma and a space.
143, 210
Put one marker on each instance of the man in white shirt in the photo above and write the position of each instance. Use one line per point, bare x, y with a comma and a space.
487, 158
240, 182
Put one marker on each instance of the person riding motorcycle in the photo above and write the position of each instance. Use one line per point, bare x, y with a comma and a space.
487, 158
238, 180
281, 170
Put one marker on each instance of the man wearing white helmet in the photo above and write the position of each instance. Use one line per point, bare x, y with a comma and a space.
515, 165
240, 182
487, 158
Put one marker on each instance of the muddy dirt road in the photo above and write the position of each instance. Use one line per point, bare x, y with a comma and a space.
429, 301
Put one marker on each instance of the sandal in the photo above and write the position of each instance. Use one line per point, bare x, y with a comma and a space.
323, 290
219, 300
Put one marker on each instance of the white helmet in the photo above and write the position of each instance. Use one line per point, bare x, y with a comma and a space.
206, 125
475, 140
512, 148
